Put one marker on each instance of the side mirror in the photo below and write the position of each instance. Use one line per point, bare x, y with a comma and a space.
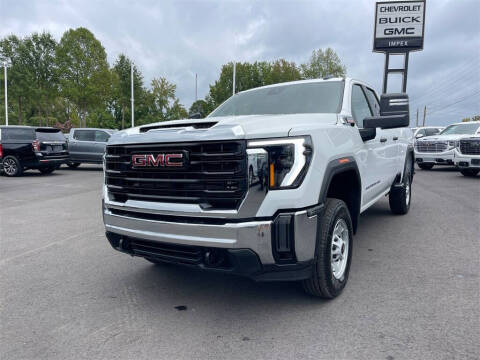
394, 112
418, 136
195, 116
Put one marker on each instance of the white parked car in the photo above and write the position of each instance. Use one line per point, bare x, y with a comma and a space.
467, 155
439, 149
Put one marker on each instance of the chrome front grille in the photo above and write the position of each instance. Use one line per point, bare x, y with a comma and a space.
431, 146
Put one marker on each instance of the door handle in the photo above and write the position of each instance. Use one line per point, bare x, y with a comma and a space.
383, 139
395, 138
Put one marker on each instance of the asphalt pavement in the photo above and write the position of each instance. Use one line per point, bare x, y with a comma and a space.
413, 291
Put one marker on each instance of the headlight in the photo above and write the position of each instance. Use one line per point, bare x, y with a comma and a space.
288, 160
452, 143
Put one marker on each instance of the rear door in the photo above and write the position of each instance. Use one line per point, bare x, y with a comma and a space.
52, 141
17, 141
391, 139
82, 146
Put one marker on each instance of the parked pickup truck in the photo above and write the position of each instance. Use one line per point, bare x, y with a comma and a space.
87, 145
439, 149
467, 155
180, 191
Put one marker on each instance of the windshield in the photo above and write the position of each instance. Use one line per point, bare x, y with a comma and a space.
461, 129
306, 98
50, 135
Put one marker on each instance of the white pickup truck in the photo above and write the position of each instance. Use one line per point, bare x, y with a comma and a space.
325, 150
440, 149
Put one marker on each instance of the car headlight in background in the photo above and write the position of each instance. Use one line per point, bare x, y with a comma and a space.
288, 160
452, 144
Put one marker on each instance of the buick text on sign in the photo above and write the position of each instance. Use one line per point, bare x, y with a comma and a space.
399, 26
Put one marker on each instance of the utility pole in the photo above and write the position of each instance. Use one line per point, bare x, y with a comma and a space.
234, 73
131, 88
6, 94
424, 114
196, 80
417, 116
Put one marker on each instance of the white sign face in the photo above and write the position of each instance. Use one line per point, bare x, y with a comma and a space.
399, 25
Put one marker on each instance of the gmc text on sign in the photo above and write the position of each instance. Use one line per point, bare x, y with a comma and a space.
399, 26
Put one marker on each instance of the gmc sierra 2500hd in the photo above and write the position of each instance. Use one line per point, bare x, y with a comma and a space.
324, 150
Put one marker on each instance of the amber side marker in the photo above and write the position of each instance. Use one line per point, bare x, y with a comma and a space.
343, 161
272, 175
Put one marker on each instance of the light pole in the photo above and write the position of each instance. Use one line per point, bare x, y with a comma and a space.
6, 93
131, 88
234, 74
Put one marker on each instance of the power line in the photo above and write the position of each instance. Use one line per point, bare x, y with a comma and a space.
454, 103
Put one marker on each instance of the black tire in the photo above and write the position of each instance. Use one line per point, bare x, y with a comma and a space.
470, 172
400, 195
156, 262
47, 170
426, 166
12, 166
73, 165
250, 176
323, 282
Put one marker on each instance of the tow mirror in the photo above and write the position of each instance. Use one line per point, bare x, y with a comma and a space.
394, 113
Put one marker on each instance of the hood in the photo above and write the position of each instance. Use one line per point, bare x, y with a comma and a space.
443, 137
221, 128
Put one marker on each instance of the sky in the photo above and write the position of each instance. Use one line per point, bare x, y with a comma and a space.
177, 39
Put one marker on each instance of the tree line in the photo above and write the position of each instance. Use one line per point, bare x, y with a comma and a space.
70, 83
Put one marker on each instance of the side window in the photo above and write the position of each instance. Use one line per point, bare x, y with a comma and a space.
360, 107
84, 135
372, 97
101, 136
18, 134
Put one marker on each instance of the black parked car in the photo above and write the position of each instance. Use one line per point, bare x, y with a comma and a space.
26, 147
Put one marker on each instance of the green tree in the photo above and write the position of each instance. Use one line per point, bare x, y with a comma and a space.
323, 63
122, 69
199, 107
38, 57
19, 78
166, 106
83, 70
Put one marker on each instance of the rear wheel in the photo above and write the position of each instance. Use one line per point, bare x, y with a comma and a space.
47, 170
333, 251
73, 165
470, 172
425, 166
401, 194
12, 166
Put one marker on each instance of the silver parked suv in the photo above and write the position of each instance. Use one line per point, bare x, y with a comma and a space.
87, 145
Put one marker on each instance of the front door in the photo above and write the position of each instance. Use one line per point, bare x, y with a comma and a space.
375, 164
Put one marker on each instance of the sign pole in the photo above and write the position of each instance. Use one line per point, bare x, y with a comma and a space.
6, 94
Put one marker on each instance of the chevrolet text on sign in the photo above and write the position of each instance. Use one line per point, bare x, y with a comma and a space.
399, 26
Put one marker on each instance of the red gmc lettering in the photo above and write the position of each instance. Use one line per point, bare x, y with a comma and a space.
158, 161
138, 160
168, 158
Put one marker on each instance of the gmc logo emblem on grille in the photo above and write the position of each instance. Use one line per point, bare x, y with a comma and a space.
161, 160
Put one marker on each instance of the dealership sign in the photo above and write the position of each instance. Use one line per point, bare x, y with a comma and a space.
399, 26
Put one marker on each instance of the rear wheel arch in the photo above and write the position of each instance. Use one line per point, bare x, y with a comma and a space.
342, 181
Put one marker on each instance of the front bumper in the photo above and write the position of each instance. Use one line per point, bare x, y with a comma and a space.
440, 158
466, 161
247, 244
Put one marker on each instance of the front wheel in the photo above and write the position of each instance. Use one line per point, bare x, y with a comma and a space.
12, 166
470, 172
425, 166
47, 170
73, 165
333, 253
